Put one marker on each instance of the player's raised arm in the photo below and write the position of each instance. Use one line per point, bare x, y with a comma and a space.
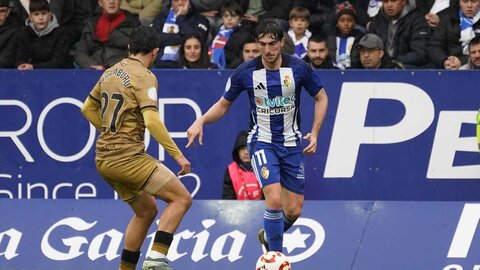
217, 111
321, 105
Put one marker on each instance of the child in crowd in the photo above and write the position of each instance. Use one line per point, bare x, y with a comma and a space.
299, 20
342, 45
42, 43
231, 14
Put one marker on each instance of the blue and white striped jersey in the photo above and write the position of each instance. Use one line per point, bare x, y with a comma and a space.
274, 97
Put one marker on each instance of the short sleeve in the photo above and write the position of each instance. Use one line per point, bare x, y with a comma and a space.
146, 92
233, 87
311, 81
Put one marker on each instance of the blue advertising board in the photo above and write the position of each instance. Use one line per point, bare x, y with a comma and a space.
214, 235
388, 135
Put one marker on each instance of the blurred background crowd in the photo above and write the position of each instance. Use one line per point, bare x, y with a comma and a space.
218, 34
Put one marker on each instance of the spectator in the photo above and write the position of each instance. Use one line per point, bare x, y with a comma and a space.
41, 43
146, 10
179, 20
448, 47
404, 32
231, 14
19, 10
256, 10
72, 14
250, 50
474, 52
372, 54
240, 40
105, 36
193, 54
322, 14
318, 55
299, 20
342, 45
234, 47
239, 181
8, 29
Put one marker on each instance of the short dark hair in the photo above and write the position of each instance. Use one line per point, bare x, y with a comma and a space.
38, 5
233, 8
474, 41
318, 38
4, 3
270, 27
143, 40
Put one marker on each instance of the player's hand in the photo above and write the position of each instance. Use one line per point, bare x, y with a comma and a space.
184, 165
196, 129
312, 146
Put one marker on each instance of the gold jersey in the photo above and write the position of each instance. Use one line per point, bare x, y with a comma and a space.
122, 92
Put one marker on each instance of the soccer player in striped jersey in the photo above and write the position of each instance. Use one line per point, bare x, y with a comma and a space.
273, 82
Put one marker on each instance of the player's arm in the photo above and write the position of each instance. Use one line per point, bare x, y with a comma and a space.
91, 111
217, 111
161, 135
321, 104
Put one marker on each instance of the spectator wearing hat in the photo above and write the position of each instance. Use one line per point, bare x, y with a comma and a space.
474, 54
318, 56
372, 54
8, 28
342, 45
404, 32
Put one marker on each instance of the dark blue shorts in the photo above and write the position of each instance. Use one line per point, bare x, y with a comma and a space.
274, 163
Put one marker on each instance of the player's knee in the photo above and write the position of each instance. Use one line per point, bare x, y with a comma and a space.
148, 212
185, 201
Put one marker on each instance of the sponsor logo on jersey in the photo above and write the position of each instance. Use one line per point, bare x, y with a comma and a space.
276, 105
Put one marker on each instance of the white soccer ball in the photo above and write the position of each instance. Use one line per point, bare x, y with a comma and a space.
273, 260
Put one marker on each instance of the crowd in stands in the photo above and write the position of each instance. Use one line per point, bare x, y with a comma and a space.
218, 34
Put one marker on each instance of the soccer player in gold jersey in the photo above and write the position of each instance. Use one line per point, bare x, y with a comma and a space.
121, 105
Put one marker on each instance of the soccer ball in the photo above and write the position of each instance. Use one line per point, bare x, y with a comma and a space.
273, 260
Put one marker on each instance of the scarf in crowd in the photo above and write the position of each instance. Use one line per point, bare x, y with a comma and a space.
344, 47
466, 30
170, 27
300, 46
373, 7
218, 47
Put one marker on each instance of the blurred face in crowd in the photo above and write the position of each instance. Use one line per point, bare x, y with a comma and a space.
475, 55
393, 8
250, 51
177, 4
270, 48
230, 20
371, 58
110, 7
243, 154
193, 50
470, 7
345, 24
317, 52
4, 12
40, 19
298, 25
